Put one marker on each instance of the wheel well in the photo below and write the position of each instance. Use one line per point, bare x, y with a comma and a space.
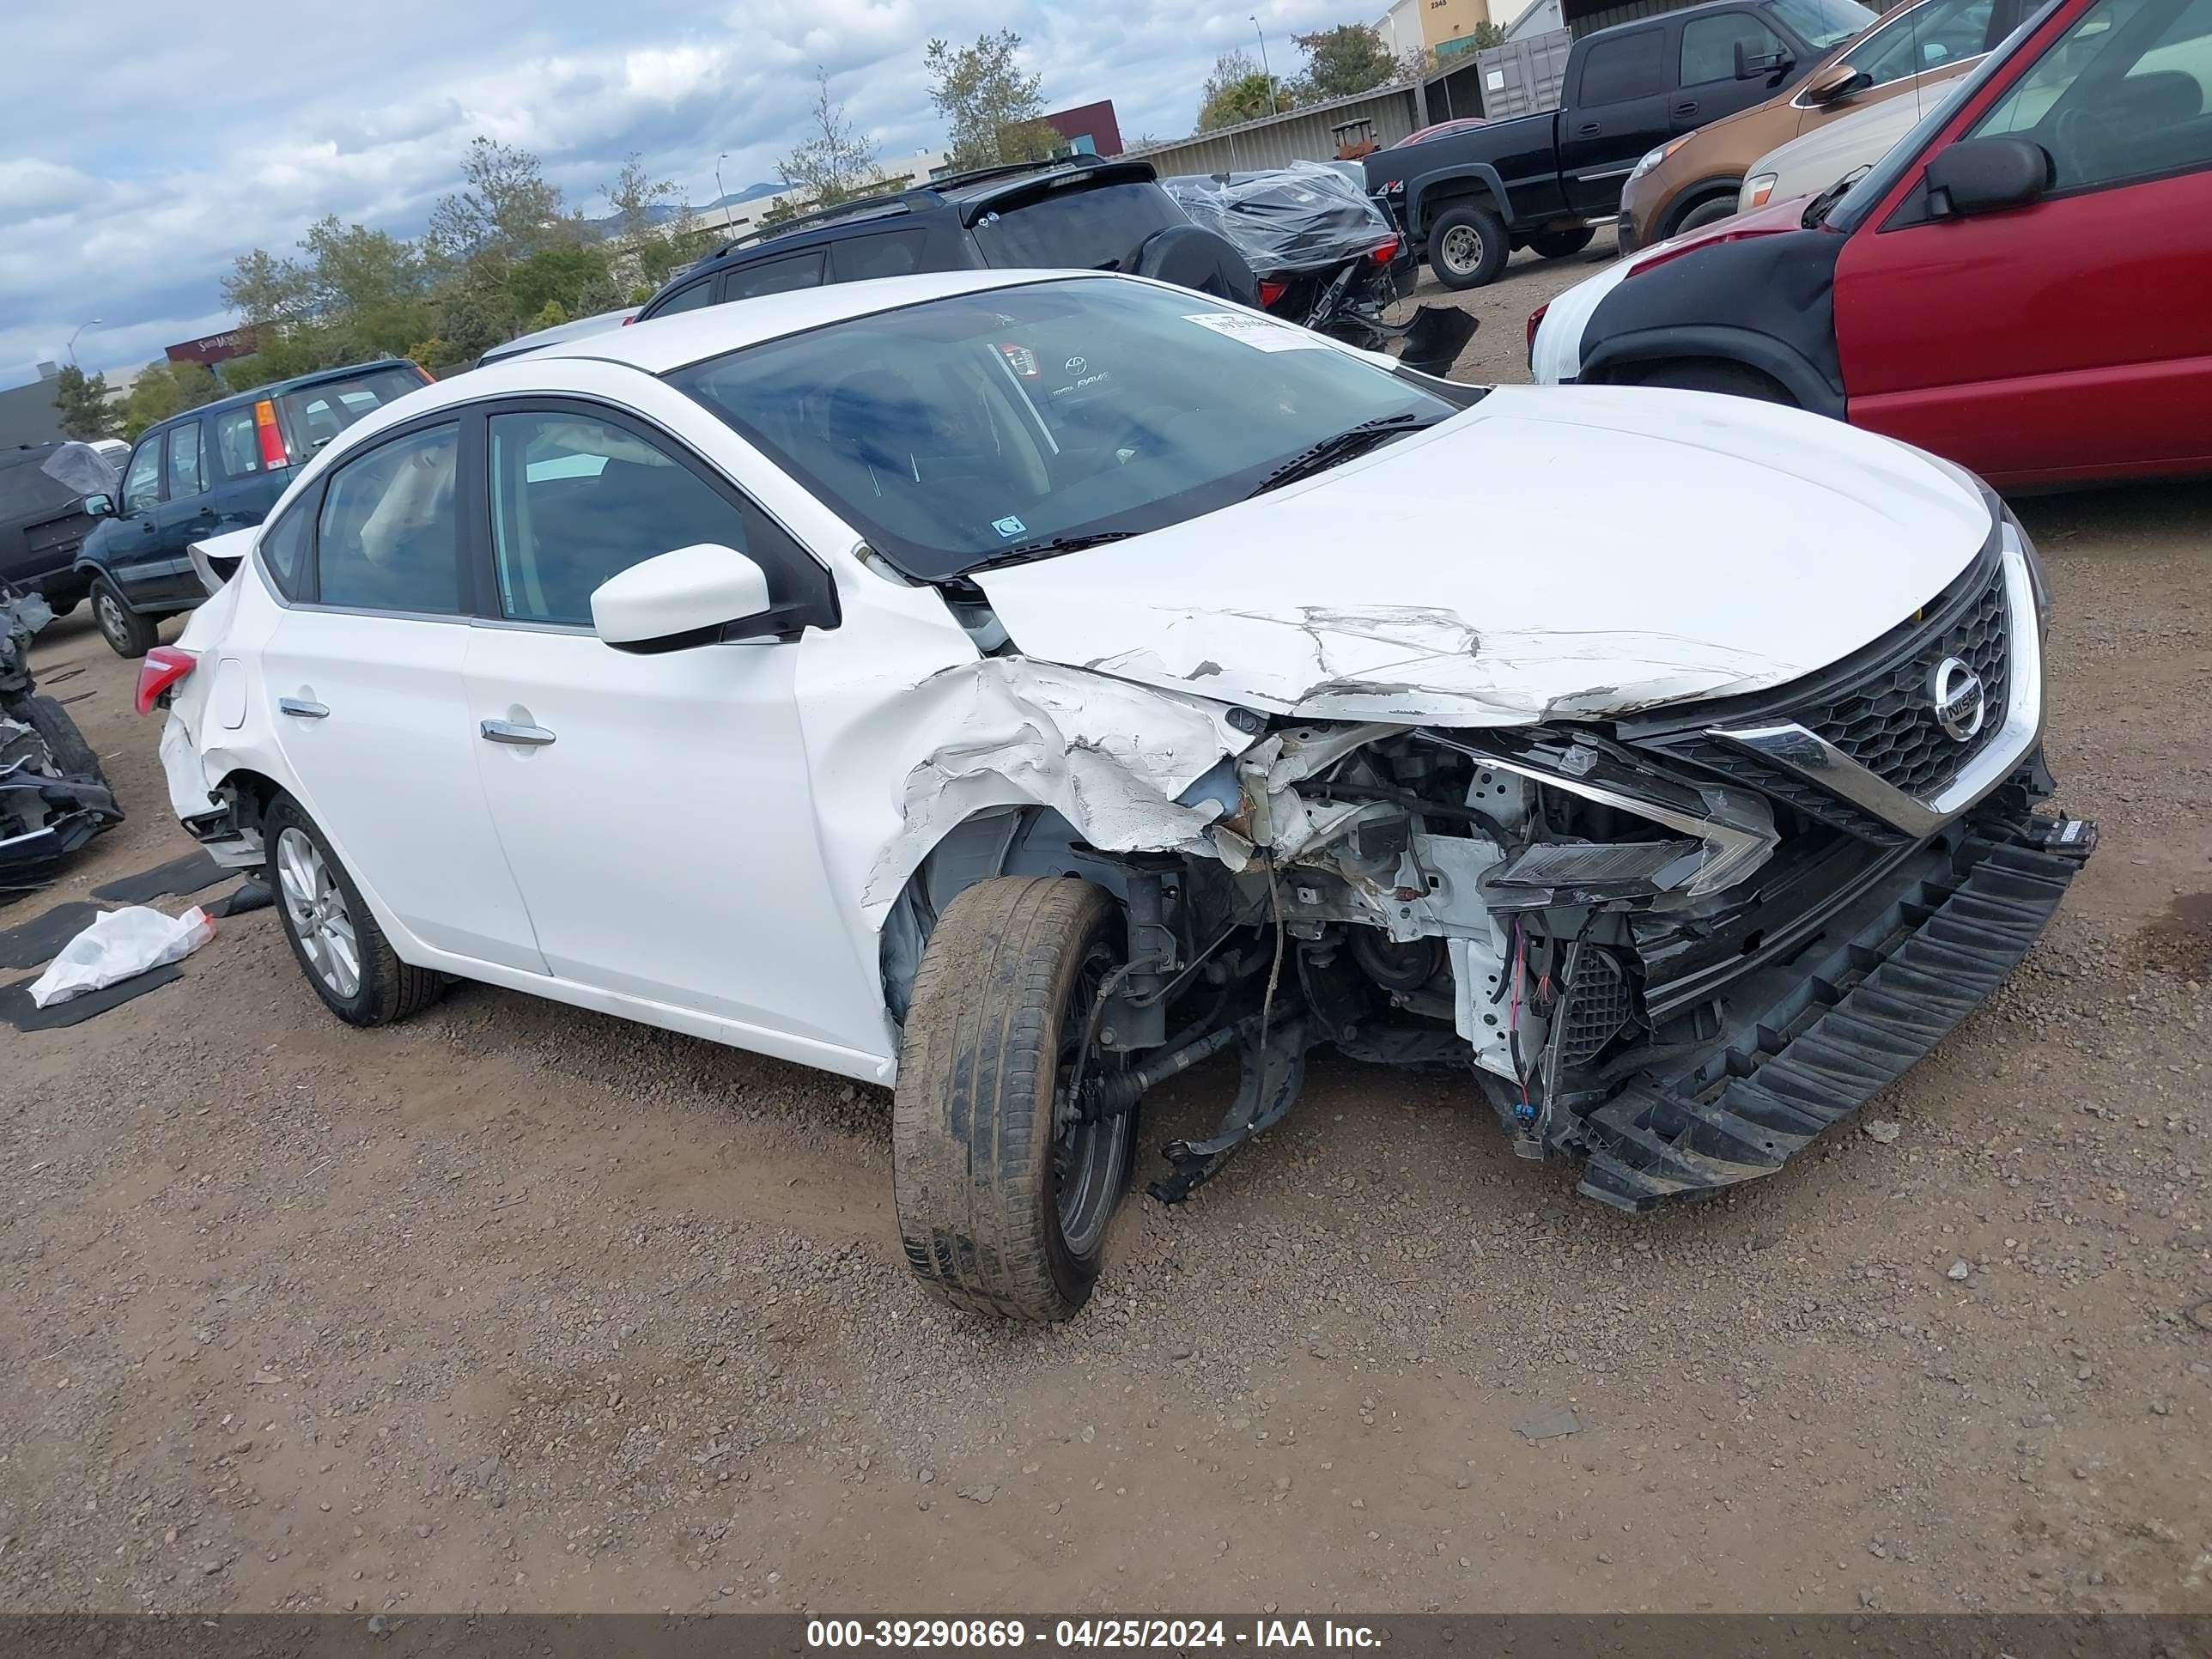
1697, 196
250, 793
1468, 192
1725, 369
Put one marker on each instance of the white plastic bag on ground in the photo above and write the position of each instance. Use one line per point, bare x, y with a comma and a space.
117, 944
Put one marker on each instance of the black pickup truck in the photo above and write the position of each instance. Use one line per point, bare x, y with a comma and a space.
1469, 198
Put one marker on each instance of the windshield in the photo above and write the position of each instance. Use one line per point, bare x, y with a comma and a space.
1822, 23
962, 431
316, 414
1097, 228
1874, 182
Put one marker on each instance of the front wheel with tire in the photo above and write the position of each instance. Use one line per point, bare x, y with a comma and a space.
127, 633
1559, 244
1467, 246
1706, 374
73, 756
1003, 1191
335, 938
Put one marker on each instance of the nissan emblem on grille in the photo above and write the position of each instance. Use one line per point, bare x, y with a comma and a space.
1960, 706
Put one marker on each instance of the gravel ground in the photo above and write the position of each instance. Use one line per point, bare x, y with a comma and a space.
520, 1307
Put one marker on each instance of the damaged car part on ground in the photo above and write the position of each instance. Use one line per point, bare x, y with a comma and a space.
1040, 741
53, 795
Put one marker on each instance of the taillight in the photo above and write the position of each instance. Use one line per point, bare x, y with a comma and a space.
271, 440
164, 666
1535, 322
1385, 251
628, 321
1271, 292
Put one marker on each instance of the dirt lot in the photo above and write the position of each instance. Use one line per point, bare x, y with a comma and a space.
519, 1307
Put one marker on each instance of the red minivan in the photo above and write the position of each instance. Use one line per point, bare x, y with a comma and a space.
2022, 285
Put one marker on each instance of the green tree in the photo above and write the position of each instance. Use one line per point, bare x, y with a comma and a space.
551, 314
1238, 90
82, 400
1339, 62
654, 225
505, 205
163, 389
575, 278
349, 293
836, 162
993, 111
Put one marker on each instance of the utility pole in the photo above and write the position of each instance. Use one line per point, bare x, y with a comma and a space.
1273, 108
80, 329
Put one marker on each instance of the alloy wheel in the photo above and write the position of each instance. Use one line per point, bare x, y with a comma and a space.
315, 905
1087, 1159
112, 623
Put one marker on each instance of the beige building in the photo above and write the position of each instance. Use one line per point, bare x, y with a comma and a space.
1443, 27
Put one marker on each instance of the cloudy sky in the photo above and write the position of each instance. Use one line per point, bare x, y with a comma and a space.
141, 154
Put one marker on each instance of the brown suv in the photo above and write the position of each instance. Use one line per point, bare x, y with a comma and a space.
1693, 179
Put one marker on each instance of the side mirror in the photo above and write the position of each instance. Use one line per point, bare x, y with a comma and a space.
1750, 64
1983, 175
690, 597
99, 507
1835, 83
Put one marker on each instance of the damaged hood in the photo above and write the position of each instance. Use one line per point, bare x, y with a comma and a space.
1554, 552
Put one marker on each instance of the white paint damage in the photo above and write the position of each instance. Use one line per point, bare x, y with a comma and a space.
1440, 581
1110, 758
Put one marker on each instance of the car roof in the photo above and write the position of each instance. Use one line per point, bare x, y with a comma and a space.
575, 328
686, 336
272, 389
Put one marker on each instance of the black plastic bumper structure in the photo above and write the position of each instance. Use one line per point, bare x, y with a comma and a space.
1886, 982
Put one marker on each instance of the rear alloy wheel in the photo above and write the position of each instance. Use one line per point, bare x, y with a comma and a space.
334, 937
1003, 1190
1559, 244
1467, 247
127, 633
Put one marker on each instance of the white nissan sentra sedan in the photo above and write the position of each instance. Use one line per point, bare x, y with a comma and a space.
1021, 687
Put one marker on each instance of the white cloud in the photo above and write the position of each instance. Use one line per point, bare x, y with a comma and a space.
210, 141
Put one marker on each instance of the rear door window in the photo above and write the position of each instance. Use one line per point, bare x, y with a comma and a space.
1625, 67
187, 478
894, 253
1099, 229
1927, 37
237, 446
314, 415
685, 298
388, 537
284, 549
775, 276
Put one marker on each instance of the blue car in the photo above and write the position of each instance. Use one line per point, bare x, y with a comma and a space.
213, 469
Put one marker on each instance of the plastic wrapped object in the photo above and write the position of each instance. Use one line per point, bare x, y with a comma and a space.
119, 944
80, 467
1305, 216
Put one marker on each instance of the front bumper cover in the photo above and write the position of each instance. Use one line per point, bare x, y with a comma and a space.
1893, 974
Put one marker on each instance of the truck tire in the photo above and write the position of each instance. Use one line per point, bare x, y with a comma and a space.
1002, 1206
313, 891
1467, 246
72, 754
1710, 374
127, 633
1559, 244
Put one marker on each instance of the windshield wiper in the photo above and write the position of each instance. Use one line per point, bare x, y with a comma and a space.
1341, 447
1023, 552
1818, 210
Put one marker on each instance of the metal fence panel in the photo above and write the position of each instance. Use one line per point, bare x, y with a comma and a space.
1274, 141
1524, 76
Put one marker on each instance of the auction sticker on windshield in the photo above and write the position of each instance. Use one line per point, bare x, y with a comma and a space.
1260, 333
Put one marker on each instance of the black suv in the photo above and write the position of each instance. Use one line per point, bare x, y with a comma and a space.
1082, 213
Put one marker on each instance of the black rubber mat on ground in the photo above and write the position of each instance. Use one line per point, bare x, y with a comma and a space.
177, 877
35, 942
20, 1012
252, 894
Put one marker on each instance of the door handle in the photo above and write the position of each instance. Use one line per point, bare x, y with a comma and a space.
1587, 129
527, 737
1688, 108
300, 707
